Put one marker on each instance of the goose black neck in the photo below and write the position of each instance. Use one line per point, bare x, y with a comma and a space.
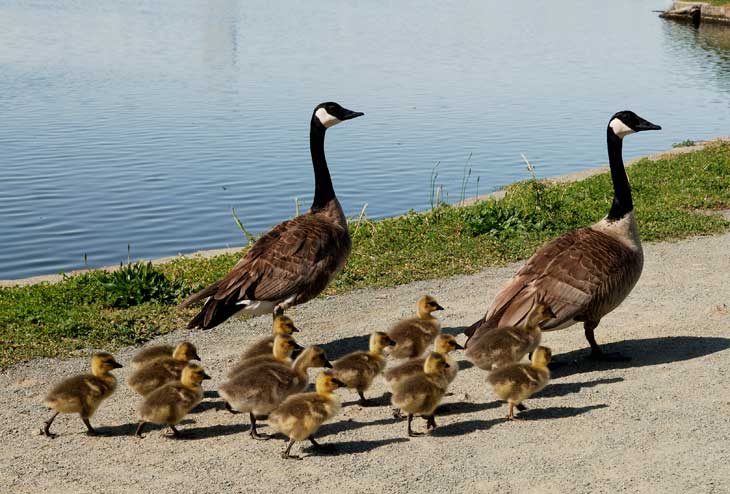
622, 203
323, 190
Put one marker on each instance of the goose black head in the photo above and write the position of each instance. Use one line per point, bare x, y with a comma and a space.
627, 122
330, 114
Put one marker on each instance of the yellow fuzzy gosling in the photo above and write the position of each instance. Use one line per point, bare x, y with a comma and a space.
150, 354
506, 345
265, 346
444, 344
163, 370
421, 393
84, 393
358, 369
413, 336
261, 388
300, 416
283, 348
169, 403
517, 382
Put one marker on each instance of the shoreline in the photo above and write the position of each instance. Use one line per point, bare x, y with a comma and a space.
498, 194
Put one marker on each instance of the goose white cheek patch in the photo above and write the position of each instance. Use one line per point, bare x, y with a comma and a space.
326, 119
620, 128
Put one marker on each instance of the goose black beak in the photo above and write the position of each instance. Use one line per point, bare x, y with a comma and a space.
116, 365
328, 364
197, 357
349, 114
339, 383
646, 125
294, 330
438, 307
457, 346
206, 376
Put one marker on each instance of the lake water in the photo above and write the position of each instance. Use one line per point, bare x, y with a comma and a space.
143, 123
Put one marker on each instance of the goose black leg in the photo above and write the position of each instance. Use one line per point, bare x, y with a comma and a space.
364, 401
140, 428
229, 408
89, 429
321, 447
286, 453
596, 352
46, 431
430, 424
411, 433
175, 433
254, 432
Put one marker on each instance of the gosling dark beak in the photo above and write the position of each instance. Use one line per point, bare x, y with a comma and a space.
339, 383
390, 342
206, 376
294, 330
646, 125
349, 114
446, 366
197, 357
550, 314
457, 346
438, 307
327, 364
116, 365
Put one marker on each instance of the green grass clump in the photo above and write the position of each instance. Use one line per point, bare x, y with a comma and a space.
83, 311
683, 144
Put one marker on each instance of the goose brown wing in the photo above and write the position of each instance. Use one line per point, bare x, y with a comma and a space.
571, 274
297, 257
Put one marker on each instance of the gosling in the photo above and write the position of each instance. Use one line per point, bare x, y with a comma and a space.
506, 345
261, 388
156, 352
282, 325
163, 370
300, 416
169, 403
413, 336
358, 369
84, 393
517, 382
444, 344
421, 393
283, 349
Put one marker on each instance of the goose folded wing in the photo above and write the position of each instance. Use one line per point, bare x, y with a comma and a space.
283, 262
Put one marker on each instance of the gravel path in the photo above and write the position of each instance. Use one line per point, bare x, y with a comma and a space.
657, 423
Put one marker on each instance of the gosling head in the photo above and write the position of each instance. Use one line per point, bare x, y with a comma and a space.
315, 356
627, 122
185, 352
193, 375
446, 343
284, 325
435, 363
379, 341
540, 313
102, 363
427, 304
542, 356
327, 382
330, 114
285, 347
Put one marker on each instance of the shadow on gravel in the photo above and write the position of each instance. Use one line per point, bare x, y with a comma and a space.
556, 412
465, 407
348, 425
209, 405
211, 393
649, 351
381, 401
454, 331
337, 348
465, 427
350, 447
117, 430
561, 389
194, 433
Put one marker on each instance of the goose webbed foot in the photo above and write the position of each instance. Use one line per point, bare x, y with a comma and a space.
397, 414
90, 431
254, 433
286, 454
364, 402
46, 430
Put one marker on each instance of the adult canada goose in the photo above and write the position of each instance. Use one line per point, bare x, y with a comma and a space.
296, 260
585, 274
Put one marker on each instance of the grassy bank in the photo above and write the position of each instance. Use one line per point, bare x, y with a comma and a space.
102, 310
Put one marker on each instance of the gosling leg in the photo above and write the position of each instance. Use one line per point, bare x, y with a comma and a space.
254, 432
430, 424
411, 433
46, 431
286, 453
140, 429
364, 401
89, 429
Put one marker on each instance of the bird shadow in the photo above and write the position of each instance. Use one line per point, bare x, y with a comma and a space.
644, 352
465, 364
465, 407
557, 412
195, 433
465, 427
353, 447
203, 406
348, 425
562, 389
130, 428
380, 401
454, 331
211, 393
338, 348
